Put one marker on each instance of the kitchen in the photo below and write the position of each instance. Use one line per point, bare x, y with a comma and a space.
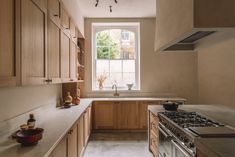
47, 49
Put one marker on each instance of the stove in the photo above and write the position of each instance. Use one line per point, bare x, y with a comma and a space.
179, 129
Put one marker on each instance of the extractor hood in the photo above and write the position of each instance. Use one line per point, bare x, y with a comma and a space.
182, 23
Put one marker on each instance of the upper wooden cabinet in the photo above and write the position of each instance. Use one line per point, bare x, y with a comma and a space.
7, 43
180, 24
64, 17
54, 10
33, 41
65, 57
54, 72
73, 62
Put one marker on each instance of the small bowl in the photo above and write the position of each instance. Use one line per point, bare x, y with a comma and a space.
129, 86
29, 137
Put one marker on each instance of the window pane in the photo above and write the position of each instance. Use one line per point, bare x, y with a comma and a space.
103, 38
102, 52
102, 66
116, 78
116, 66
129, 78
128, 65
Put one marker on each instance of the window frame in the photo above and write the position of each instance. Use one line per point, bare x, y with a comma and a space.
133, 27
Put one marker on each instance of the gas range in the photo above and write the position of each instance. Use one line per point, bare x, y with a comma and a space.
182, 128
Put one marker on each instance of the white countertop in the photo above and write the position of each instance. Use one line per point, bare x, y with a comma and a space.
56, 123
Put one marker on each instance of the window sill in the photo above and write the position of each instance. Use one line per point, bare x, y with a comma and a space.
112, 90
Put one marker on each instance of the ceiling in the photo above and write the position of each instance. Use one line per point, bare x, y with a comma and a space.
123, 9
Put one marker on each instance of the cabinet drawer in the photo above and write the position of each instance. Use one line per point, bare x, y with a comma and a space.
154, 124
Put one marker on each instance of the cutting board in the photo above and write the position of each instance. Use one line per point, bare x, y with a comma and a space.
213, 131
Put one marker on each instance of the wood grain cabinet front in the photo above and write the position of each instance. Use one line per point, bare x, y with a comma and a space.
153, 134
73, 62
65, 57
33, 41
8, 51
54, 10
81, 143
72, 141
104, 115
54, 52
61, 149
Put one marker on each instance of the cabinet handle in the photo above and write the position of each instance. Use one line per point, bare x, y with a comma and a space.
56, 15
70, 132
71, 79
48, 80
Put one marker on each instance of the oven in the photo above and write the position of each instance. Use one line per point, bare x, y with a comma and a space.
165, 144
169, 145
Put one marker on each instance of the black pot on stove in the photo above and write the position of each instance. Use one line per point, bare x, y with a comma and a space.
171, 106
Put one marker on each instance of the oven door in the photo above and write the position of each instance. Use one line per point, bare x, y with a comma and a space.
165, 144
179, 151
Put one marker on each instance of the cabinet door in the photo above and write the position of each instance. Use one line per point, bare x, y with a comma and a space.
72, 29
104, 115
81, 144
33, 41
54, 10
143, 112
72, 142
65, 57
54, 72
61, 149
64, 18
73, 62
128, 115
7, 43
87, 124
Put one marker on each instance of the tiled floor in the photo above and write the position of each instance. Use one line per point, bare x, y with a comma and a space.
113, 145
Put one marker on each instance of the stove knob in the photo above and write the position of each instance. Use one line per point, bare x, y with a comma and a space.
191, 145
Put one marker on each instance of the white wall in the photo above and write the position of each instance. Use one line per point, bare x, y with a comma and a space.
18, 100
161, 74
216, 69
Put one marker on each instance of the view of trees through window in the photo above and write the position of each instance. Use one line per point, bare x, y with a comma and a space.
116, 57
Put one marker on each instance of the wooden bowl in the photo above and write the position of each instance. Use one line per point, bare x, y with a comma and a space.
29, 137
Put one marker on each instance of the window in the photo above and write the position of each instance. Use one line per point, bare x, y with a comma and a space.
115, 55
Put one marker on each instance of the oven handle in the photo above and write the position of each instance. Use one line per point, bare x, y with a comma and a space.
175, 143
164, 132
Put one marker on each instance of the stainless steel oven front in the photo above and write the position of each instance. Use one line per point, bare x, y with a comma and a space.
169, 146
165, 144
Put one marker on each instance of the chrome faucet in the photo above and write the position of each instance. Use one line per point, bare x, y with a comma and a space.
116, 92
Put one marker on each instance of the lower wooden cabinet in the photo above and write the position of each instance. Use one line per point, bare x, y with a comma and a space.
80, 137
104, 115
61, 149
72, 141
153, 134
73, 144
121, 115
128, 115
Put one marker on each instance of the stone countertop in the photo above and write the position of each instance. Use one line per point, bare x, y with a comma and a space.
56, 123
138, 99
212, 147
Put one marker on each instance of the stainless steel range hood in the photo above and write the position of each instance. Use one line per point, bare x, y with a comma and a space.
182, 23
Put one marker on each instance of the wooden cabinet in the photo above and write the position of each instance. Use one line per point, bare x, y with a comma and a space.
33, 41
81, 143
153, 134
64, 18
72, 29
7, 43
73, 62
54, 72
104, 115
61, 149
54, 10
128, 115
143, 112
72, 142
65, 57
87, 124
